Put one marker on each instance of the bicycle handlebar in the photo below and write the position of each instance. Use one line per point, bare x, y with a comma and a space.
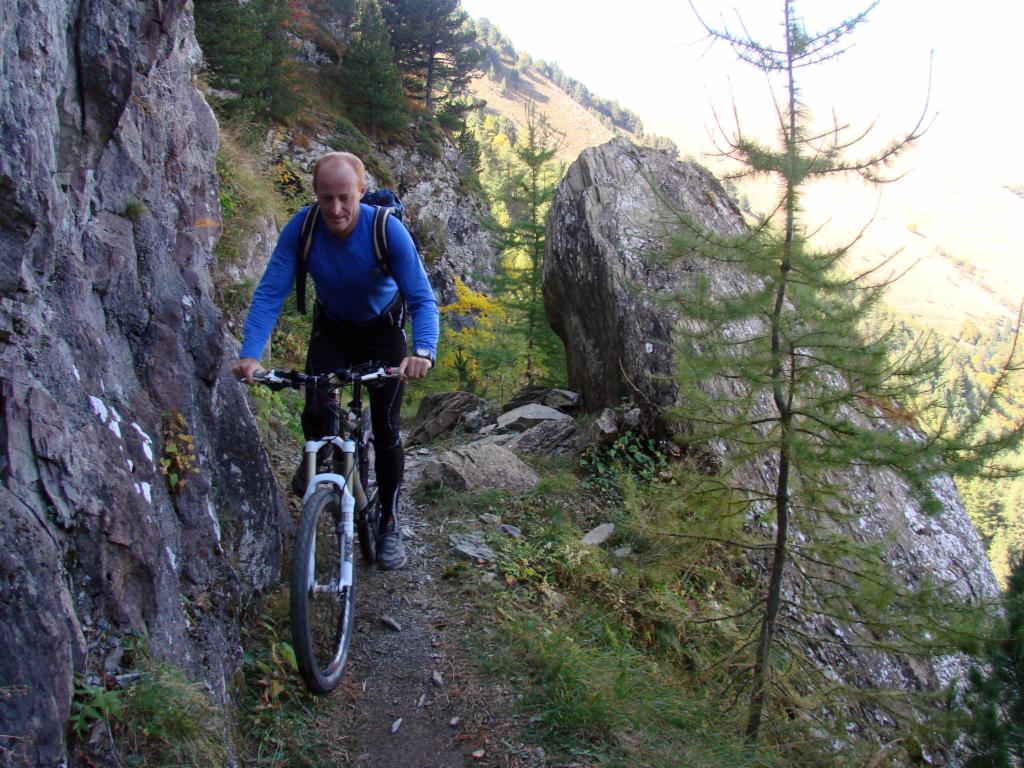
280, 378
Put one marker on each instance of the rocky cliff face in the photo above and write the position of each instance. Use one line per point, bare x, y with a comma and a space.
108, 215
600, 286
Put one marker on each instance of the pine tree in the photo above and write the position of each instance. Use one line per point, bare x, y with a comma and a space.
780, 371
245, 49
434, 48
995, 697
370, 79
521, 243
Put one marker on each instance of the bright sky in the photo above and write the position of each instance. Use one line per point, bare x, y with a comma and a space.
651, 56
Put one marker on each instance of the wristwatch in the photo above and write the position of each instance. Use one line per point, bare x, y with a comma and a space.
424, 353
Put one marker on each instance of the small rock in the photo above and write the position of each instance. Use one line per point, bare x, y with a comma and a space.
556, 601
488, 519
631, 419
613, 571
623, 552
396, 725
408, 533
422, 701
472, 547
510, 530
454, 721
522, 418
423, 451
113, 659
599, 535
479, 753
436, 679
389, 622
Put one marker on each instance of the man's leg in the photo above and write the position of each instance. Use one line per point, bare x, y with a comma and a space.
387, 343
319, 416
385, 406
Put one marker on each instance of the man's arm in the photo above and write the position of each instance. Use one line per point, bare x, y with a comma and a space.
270, 294
407, 269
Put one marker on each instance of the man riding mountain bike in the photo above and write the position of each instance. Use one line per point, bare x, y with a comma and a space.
359, 316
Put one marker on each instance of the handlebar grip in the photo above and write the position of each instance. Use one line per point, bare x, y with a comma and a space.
276, 379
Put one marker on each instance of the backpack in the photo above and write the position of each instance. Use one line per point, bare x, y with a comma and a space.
385, 202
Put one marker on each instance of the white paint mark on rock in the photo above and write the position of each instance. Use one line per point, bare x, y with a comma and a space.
99, 408
147, 442
213, 517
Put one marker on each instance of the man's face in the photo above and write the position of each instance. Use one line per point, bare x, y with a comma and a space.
338, 191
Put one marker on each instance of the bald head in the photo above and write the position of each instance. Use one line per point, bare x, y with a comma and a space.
334, 159
338, 184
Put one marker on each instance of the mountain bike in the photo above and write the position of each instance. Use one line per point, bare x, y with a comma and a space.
340, 500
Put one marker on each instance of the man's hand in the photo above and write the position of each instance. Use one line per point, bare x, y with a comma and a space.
245, 368
414, 368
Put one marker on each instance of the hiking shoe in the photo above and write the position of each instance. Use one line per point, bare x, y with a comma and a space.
390, 550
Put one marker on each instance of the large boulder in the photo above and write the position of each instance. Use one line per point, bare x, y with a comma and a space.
612, 211
477, 467
549, 436
560, 399
525, 416
111, 349
443, 412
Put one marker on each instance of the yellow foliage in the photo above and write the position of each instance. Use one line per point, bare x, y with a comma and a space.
470, 302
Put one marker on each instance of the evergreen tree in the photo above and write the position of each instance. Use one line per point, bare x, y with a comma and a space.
521, 241
995, 697
434, 47
779, 371
245, 50
370, 78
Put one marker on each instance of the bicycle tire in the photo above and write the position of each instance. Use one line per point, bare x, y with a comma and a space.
369, 517
322, 622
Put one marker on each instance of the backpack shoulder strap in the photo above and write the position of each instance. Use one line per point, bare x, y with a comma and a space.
381, 214
302, 254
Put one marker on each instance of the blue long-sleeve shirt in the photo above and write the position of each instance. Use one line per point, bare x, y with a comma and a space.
349, 285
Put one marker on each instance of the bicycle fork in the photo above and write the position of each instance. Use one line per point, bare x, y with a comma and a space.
344, 484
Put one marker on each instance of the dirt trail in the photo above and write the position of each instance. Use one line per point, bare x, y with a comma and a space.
419, 673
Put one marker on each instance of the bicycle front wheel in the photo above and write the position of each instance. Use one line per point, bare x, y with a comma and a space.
322, 612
